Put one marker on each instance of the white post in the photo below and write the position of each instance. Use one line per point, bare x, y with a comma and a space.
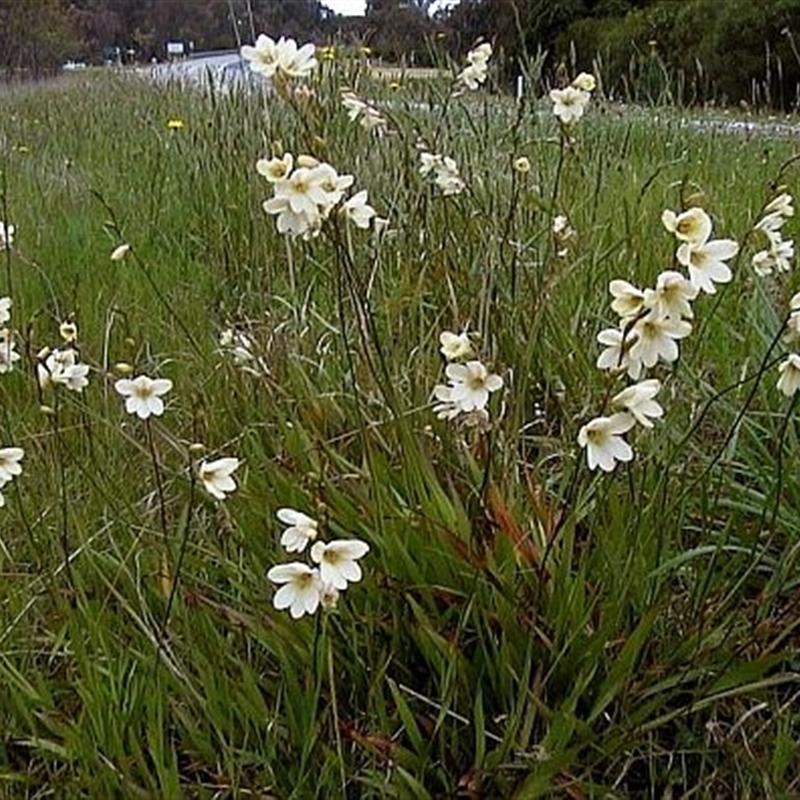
520, 84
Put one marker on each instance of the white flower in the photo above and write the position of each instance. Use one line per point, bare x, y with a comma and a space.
296, 62
455, 345
62, 367
9, 463
338, 561
618, 353
602, 438
329, 597
638, 401
304, 199
358, 211
448, 178
216, 476
143, 395
263, 57
6, 236
480, 54
75, 377
354, 104
302, 529
793, 322
5, 310
471, 384
522, 164
778, 257
706, 262
789, 381
301, 588
628, 299
585, 82
445, 169
429, 162
561, 228
302, 191
275, 169
672, 295
333, 184
782, 204
119, 252
8, 353
237, 345
473, 75
656, 338
692, 226
445, 408
569, 103
771, 226
367, 115
290, 222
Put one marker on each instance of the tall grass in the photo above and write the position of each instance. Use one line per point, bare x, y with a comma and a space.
525, 627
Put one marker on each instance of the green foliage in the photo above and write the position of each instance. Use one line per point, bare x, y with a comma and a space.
694, 51
524, 626
35, 37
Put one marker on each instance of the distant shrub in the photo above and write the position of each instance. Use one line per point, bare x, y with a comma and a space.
695, 51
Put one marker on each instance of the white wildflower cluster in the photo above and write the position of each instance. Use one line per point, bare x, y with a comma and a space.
240, 349
369, 117
8, 352
569, 103
304, 588
444, 170
651, 323
61, 366
280, 59
6, 236
9, 456
469, 383
306, 191
9, 467
704, 259
778, 254
473, 76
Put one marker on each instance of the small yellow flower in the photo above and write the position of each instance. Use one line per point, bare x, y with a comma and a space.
175, 124
394, 85
365, 51
328, 53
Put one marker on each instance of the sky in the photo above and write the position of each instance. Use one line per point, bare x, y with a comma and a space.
349, 7
356, 7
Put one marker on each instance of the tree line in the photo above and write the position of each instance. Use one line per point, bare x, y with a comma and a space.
692, 50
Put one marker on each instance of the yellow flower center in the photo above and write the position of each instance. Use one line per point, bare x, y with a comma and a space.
475, 382
142, 391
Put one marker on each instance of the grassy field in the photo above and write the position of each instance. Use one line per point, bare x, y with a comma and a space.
525, 627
